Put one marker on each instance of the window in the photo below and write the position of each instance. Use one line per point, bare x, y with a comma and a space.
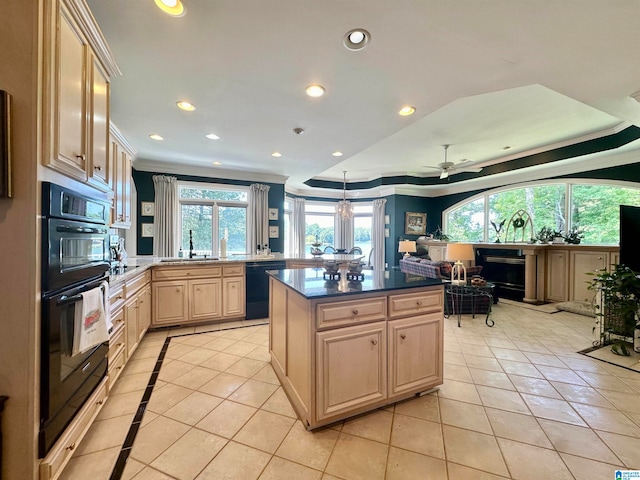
288, 226
362, 225
210, 212
593, 208
319, 223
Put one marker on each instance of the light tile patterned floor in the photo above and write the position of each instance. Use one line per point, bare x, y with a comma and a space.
517, 402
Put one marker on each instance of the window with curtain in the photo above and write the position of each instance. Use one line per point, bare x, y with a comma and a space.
288, 226
210, 212
319, 224
362, 226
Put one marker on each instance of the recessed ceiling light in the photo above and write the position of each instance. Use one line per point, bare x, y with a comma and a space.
315, 90
212, 136
506, 147
276, 154
155, 136
337, 154
407, 110
217, 164
356, 39
175, 8
186, 106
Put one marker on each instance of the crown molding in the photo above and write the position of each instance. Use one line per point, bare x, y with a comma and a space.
155, 166
117, 134
82, 15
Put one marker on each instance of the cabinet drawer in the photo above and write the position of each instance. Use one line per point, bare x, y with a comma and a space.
232, 270
329, 315
52, 465
116, 342
117, 319
115, 367
135, 284
402, 305
186, 272
116, 296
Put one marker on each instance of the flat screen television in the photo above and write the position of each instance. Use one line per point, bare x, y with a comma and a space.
630, 237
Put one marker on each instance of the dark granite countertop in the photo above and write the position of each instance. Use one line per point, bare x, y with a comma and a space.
310, 283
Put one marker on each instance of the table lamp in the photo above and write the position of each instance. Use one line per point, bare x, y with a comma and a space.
406, 246
458, 253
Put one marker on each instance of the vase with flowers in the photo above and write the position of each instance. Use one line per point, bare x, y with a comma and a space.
617, 311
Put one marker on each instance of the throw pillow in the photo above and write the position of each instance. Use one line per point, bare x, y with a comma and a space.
445, 269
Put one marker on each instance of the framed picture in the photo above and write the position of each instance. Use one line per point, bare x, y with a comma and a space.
5, 144
415, 223
273, 214
148, 209
147, 229
273, 232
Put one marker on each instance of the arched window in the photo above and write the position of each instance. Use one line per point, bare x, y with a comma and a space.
560, 206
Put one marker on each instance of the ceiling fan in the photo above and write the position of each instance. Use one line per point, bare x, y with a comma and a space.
447, 167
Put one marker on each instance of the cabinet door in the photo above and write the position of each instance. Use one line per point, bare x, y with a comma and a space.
205, 299
233, 296
415, 354
122, 186
170, 302
144, 311
99, 164
126, 188
70, 121
351, 368
581, 264
558, 275
131, 325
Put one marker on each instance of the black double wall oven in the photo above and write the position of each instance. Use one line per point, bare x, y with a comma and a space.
75, 259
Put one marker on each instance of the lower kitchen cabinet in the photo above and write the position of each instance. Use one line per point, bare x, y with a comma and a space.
184, 294
351, 368
415, 352
583, 262
137, 315
557, 285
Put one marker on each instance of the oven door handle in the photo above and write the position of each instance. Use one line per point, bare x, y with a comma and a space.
72, 299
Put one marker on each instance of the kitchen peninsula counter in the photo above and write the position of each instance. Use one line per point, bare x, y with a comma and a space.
342, 347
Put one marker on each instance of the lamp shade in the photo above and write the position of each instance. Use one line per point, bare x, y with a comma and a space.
459, 252
406, 246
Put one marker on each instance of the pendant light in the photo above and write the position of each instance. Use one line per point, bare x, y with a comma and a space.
344, 209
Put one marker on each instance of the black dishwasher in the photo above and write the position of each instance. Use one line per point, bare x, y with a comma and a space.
257, 286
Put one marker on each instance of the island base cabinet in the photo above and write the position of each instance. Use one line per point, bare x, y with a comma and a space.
351, 368
415, 353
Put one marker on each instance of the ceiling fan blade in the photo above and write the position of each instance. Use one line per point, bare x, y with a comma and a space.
444, 174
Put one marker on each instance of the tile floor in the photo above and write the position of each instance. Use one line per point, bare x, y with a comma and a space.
517, 402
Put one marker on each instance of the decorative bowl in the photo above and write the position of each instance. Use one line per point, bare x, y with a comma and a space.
330, 266
355, 267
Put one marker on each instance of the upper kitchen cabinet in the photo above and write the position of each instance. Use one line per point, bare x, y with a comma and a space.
77, 69
122, 154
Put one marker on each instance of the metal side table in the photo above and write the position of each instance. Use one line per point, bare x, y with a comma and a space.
459, 293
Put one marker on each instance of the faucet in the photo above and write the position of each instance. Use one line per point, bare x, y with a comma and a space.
191, 255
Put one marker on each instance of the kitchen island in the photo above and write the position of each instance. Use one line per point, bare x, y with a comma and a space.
342, 347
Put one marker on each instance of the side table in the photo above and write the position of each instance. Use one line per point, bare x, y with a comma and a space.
458, 292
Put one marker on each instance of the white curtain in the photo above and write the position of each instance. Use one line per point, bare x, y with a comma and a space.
258, 216
344, 232
377, 234
166, 216
299, 227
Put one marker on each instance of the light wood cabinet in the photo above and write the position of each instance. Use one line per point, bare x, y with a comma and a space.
351, 366
185, 294
415, 353
78, 68
121, 156
583, 262
338, 357
137, 311
557, 284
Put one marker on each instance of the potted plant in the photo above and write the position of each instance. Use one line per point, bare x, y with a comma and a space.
620, 300
574, 236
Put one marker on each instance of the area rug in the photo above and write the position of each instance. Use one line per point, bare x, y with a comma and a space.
581, 308
544, 308
605, 354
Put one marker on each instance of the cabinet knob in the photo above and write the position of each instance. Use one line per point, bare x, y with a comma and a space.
72, 446
178, 290
599, 258
99, 402
403, 336
374, 342
354, 311
82, 157
419, 303
98, 167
